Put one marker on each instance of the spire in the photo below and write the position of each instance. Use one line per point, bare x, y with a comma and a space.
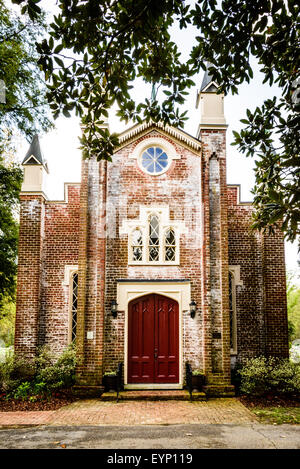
210, 103
34, 154
208, 80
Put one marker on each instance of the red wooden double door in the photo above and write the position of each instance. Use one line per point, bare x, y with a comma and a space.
153, 340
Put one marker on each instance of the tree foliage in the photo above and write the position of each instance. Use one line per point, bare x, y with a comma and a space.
23, 110
293, 306
10, 185
24, 106
97, 48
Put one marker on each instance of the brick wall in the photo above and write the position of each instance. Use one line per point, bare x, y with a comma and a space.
261, 300
92, 253
128, 187
84, 231
215, 268
48, 241
31, 237
60, 249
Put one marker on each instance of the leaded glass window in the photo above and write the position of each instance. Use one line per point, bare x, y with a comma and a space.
154, 160
170, 245
153, 238
232, 312
231, 309
137, 245
74, 306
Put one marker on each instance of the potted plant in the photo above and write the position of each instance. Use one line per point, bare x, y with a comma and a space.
109, 381
198, 379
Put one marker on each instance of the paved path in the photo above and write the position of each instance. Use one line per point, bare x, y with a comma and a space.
96, 412
155, 437
133, 425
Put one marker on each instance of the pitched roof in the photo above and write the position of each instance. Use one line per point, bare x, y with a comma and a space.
145, 127
208, 80
34, 154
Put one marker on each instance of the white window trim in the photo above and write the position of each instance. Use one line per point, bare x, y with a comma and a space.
156, 141
236, 271
69, 270
142, 223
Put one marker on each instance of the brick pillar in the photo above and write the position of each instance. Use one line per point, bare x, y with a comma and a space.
275, 301
28, 303
216, 327
92, 247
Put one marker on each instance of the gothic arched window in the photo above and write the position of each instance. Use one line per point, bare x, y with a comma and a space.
153, 239
154, 244
170, 245
137, 245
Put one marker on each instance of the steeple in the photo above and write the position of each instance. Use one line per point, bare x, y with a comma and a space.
211, 104
34, 154
35, 167
208, 85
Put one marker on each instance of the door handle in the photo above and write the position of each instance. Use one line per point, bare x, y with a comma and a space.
155, 353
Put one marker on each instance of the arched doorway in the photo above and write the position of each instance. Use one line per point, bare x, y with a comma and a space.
153, 340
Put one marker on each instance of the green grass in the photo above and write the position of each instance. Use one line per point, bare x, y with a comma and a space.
278, 415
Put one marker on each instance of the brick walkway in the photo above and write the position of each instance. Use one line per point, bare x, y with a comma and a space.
97, 412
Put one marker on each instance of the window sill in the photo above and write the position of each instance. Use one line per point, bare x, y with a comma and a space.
153, 264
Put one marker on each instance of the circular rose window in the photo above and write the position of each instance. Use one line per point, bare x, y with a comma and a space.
154, 160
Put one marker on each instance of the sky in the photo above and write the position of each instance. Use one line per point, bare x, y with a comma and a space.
60, 146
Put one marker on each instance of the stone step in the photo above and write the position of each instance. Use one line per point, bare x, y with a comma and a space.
153, 395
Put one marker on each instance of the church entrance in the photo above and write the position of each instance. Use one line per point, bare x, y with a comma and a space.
153, 340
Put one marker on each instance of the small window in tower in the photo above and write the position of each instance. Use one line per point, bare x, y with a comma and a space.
170, 245
153, 238
137, 245
74, 306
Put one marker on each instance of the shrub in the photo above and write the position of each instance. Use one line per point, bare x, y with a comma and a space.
261, 375
59, 373
197, 372
14, 371
23, 391
110, 373
21, 378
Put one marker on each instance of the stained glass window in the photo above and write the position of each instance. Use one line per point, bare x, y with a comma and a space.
154, 160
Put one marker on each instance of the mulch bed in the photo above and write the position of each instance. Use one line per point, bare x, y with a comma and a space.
65, 398
51, 403
270, 401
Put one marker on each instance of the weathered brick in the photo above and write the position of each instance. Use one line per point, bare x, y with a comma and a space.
84, 231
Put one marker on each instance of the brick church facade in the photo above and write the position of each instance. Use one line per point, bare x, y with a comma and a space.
150, 262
